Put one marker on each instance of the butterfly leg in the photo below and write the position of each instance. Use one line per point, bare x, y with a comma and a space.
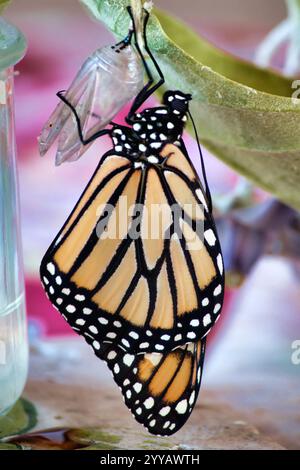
124, 43
148, 89
80, 132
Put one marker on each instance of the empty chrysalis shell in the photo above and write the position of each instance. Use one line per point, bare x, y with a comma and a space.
107, 80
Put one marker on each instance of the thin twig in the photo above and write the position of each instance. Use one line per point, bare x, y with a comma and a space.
138, 14
137, 11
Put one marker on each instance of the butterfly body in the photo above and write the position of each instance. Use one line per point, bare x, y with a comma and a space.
152, 128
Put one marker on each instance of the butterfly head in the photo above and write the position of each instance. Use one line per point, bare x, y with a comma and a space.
177, 101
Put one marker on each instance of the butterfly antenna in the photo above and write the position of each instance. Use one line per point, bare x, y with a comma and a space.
207, 190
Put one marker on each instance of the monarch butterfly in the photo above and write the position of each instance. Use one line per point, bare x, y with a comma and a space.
145, 304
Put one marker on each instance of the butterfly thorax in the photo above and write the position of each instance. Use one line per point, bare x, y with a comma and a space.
152, 129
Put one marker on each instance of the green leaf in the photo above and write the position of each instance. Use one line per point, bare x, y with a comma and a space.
3, 4
20, 419
244, 114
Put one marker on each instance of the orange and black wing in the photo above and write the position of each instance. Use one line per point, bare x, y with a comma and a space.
160, 389
118, 273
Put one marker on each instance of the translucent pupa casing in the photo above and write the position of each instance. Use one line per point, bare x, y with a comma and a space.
107, 80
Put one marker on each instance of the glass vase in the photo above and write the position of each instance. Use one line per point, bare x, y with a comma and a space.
13, 331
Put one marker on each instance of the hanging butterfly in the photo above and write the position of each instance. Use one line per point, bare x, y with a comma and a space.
144, 303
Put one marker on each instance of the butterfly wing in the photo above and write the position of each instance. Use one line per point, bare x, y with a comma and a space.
141, 292
197, 261
160, 389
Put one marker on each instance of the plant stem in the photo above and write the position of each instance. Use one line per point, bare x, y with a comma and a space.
137, 11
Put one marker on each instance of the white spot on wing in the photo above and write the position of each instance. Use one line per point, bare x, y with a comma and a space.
191, 335
155, 145
93, 329
207, 320
125, 342
137, 387
218, 290
96, 345
217, 308
80, 297
210, 237
111, 335
165, 337
128, 359
181, 407
149, 403
165, 411
192, 398
220, 263
51, 268
153, 159
133, 335
70, 308
111, 355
